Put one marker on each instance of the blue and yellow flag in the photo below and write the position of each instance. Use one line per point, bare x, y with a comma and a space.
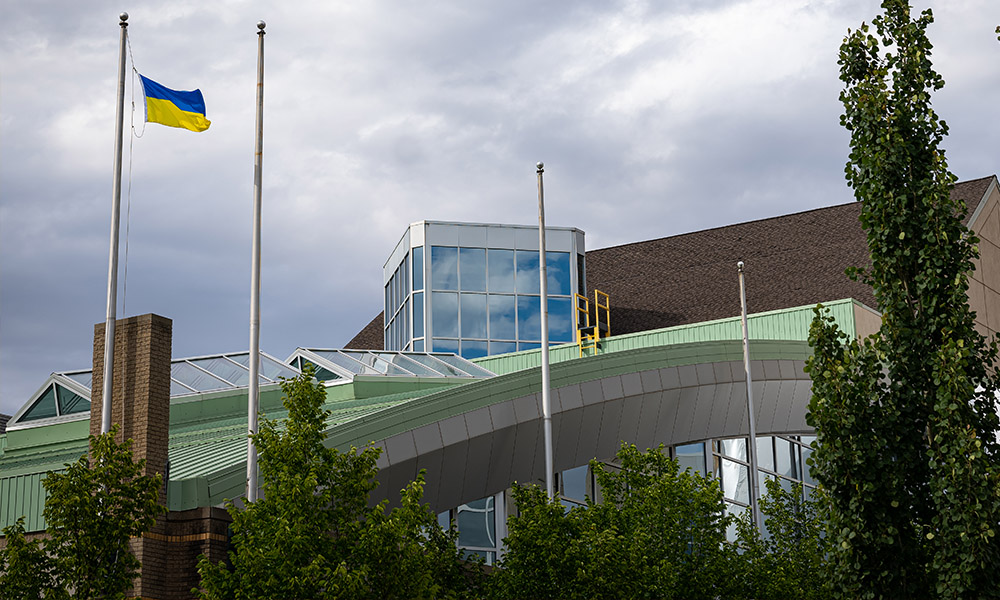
173, 108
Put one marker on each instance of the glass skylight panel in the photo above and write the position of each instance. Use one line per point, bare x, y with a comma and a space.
194, 377
269, 368
176, 389
43, 408
382, 366
407, 363
345, 362
226, 369
71, 402
438, 365
86, 378
471, 369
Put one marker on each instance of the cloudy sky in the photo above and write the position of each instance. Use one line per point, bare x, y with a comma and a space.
653, 118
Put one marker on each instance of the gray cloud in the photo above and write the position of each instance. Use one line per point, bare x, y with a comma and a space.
652, 118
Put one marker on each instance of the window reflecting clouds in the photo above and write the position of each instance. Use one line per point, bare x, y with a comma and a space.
472, 349
503, 325
529, 320
445, 314
557, 275
472, 269
444, 268
473, 316
501, 270
527, 278
560, 320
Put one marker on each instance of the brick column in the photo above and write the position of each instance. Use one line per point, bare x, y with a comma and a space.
140, 406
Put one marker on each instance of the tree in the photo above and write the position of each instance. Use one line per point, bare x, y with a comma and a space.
93, 509
905, 419
656, 533
789, 561
312, 534
26, 571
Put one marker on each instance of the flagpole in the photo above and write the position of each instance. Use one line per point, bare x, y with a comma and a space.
752, 442
546, 383
253, 404
116, 203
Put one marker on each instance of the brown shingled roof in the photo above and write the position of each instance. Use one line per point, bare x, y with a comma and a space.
790, 260
369, 338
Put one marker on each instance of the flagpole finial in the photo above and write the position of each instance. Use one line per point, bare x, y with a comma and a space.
540, 166
123, 17
739, 266
261, 25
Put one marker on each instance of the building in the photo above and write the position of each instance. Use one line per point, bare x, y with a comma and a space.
474, 289
671, 373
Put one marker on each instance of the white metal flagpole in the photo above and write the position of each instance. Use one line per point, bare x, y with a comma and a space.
546, 384
253, 402
116, 203
752, 442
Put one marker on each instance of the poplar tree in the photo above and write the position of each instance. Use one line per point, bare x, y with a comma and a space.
906, 420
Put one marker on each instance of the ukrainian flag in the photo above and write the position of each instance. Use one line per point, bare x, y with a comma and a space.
173, 108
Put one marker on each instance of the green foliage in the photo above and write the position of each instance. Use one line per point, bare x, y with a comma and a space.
789, 562
905, 420
93, 509
656, 533
312, 533
26, 571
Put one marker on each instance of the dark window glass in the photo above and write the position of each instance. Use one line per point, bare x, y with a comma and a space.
70, 402
418, 268
561, 320
473, 315
529, 320
418, 314
321, 373
472, 269
691, 456
444, 268
574, 482
502, 323
501, 270
528, 281
502, 347
418, 345
472, 350
44, 407
406, 275
476, 524
557, 273
445, 314
581, 275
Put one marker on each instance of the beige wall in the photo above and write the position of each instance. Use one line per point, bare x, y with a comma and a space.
984, 285
867, 321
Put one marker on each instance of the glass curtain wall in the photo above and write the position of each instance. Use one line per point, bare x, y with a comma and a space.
487, 301
397, 308
474, 290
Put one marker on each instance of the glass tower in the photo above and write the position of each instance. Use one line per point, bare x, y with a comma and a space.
474, 289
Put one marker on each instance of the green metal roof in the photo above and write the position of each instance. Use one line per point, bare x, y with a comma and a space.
786, 324
207, 432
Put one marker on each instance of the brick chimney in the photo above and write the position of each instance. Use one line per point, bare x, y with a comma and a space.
140, 406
